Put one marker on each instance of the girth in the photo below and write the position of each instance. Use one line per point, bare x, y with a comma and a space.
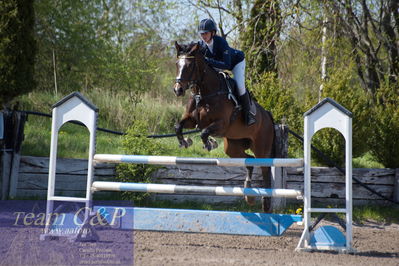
198, 97
230, 96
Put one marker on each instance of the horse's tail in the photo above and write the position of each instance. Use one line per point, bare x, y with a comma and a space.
274, 135
269, 114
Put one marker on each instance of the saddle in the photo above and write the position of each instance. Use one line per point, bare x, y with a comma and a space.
233, 93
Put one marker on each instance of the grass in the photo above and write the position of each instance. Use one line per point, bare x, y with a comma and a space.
377, 214
361, 214
73, 140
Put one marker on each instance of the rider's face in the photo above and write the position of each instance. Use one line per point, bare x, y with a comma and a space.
206, 36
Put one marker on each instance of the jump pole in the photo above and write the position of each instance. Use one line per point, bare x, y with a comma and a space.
327, 113
171, 160
202, 190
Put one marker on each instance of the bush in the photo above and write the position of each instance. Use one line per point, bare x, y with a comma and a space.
270, 94
383, 126
341, 88
136, 142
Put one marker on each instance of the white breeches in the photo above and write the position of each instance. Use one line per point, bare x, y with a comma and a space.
239, 77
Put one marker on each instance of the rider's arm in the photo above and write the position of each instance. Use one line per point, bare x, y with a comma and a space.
222, 48
225, 64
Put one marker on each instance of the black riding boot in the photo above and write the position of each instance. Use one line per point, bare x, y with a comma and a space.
246, 106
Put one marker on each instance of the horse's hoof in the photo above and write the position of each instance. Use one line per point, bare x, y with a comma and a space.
210, 144
213, 143
266, 205
250, 200
182, 145
185, 143
207, 147
247, 184
189, 142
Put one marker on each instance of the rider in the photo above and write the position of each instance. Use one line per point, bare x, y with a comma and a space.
220, 55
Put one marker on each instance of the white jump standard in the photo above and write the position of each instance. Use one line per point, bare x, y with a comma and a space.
327, 113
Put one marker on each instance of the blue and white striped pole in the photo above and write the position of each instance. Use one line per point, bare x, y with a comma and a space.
171, 160
203, 190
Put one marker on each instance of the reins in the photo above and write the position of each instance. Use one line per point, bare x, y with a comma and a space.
194, 83
196, 88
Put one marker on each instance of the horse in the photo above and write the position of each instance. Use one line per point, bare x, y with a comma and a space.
211, 109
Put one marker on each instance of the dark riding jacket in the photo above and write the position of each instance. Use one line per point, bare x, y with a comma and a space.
223, 56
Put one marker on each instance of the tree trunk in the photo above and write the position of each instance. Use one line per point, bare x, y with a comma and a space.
391, 44
259, 40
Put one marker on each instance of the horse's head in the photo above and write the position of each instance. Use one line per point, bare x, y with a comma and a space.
187, 72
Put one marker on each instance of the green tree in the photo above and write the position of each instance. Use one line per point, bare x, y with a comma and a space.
373, 30
98, 45
383, 125
260, 37
17, 49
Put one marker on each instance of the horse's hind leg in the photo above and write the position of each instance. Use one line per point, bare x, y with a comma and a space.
262, 147
247, 183
236, 149
266, 201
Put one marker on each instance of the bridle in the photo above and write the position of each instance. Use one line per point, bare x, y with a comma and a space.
194, 84
191, 83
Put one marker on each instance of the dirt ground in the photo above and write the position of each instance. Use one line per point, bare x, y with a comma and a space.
375, 245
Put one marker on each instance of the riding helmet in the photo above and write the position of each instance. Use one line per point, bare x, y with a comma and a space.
206, 25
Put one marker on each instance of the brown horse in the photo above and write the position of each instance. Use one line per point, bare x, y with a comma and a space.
210, 109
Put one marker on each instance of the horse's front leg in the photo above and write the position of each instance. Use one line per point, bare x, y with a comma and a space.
213, 129
186, 122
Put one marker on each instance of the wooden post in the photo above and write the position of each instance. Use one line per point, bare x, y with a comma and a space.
281, 141
19, 123
279, 174
6, 154
396, 186
14, 122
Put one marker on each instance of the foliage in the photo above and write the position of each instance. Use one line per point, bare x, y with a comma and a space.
136, 142
260, 36
341, 88
383, 126
17, 49
372, 30
269, 93
98, 44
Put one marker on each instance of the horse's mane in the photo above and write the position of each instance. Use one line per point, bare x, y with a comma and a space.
186, 48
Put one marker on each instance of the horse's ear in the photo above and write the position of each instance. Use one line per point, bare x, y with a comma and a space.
194, 49
178, 47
